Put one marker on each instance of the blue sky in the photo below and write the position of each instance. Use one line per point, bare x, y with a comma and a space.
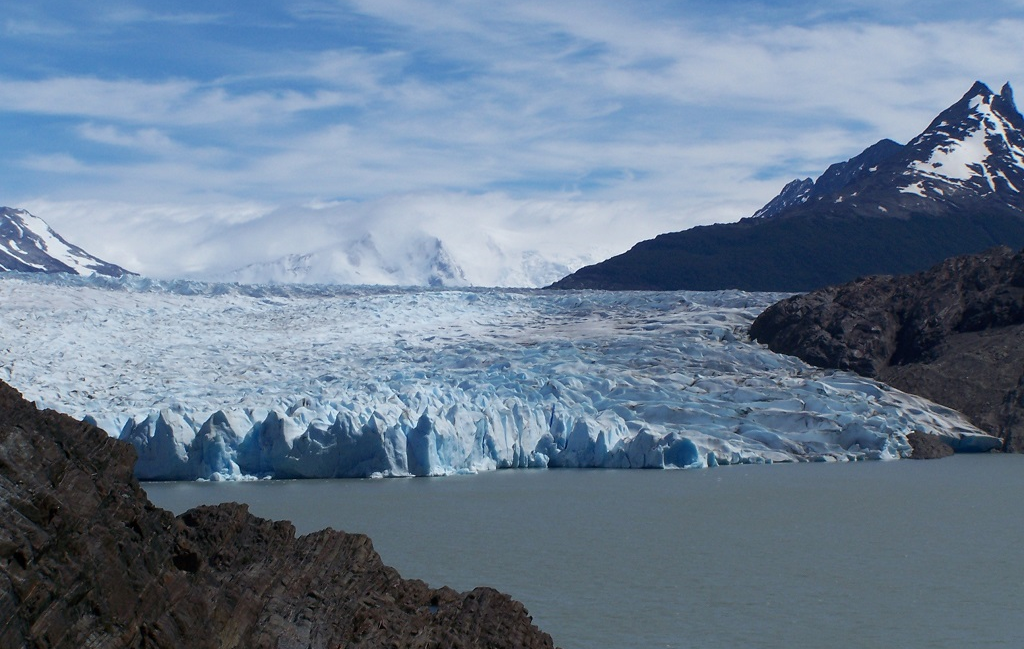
138, 129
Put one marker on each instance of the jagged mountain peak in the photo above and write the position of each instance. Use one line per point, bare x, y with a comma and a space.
983, 91
833, 180
28, 244
979, 108
956, 188
1006, 92
978, 88
841, 174
980, 92
973, 148
794, 193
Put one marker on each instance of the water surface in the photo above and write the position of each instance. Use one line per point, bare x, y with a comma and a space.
909, 554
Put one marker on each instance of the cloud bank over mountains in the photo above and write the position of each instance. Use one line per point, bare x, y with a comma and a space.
146, 136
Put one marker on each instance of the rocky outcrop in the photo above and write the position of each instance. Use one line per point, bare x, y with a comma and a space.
87, 561
953, 334
928, 447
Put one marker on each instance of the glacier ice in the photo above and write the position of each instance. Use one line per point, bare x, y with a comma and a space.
228, 381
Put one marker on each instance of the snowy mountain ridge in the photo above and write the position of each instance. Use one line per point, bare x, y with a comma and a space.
412, 260
420, 261
972, 150
412, 241
28, 244
974, 147
957, 188
834, 179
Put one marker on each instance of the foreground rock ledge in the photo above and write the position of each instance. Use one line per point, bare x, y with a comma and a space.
953, 334
87, 561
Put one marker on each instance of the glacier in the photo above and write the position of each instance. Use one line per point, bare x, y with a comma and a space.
232, 381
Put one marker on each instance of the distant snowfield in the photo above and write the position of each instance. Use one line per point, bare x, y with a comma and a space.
230, 381
452, 240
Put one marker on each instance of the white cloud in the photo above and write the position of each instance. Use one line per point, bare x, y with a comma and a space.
210, 240
150, 139
551, 110
54, 164
16, 27
181, 103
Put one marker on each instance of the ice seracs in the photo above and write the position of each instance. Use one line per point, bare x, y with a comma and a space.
218, 381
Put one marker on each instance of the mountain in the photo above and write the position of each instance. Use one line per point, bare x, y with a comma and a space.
389, 256
421, 261
29, 245
416, 240
834, 179
954, 189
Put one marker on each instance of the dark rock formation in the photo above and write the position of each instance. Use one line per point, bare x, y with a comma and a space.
928, 447
953, 334
87, 561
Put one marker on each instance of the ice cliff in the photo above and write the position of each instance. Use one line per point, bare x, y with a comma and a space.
222, 381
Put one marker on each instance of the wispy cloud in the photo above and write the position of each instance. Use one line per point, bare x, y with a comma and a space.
54, 164
180, 103
145, 139
16, 27
674, 113
132, 15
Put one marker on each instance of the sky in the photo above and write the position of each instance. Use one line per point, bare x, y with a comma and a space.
177, 138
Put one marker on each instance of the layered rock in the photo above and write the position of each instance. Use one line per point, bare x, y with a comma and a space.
87, 561
953, 334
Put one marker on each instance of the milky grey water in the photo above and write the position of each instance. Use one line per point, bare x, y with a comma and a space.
877, 554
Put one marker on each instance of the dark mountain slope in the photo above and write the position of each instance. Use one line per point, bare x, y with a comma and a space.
800, 252
955, 189
835, 178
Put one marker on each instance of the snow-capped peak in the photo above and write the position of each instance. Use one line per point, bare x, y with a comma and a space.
976, 146
973, 150
419, 260
28, 244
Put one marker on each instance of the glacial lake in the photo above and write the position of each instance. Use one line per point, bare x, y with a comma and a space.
870, 554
